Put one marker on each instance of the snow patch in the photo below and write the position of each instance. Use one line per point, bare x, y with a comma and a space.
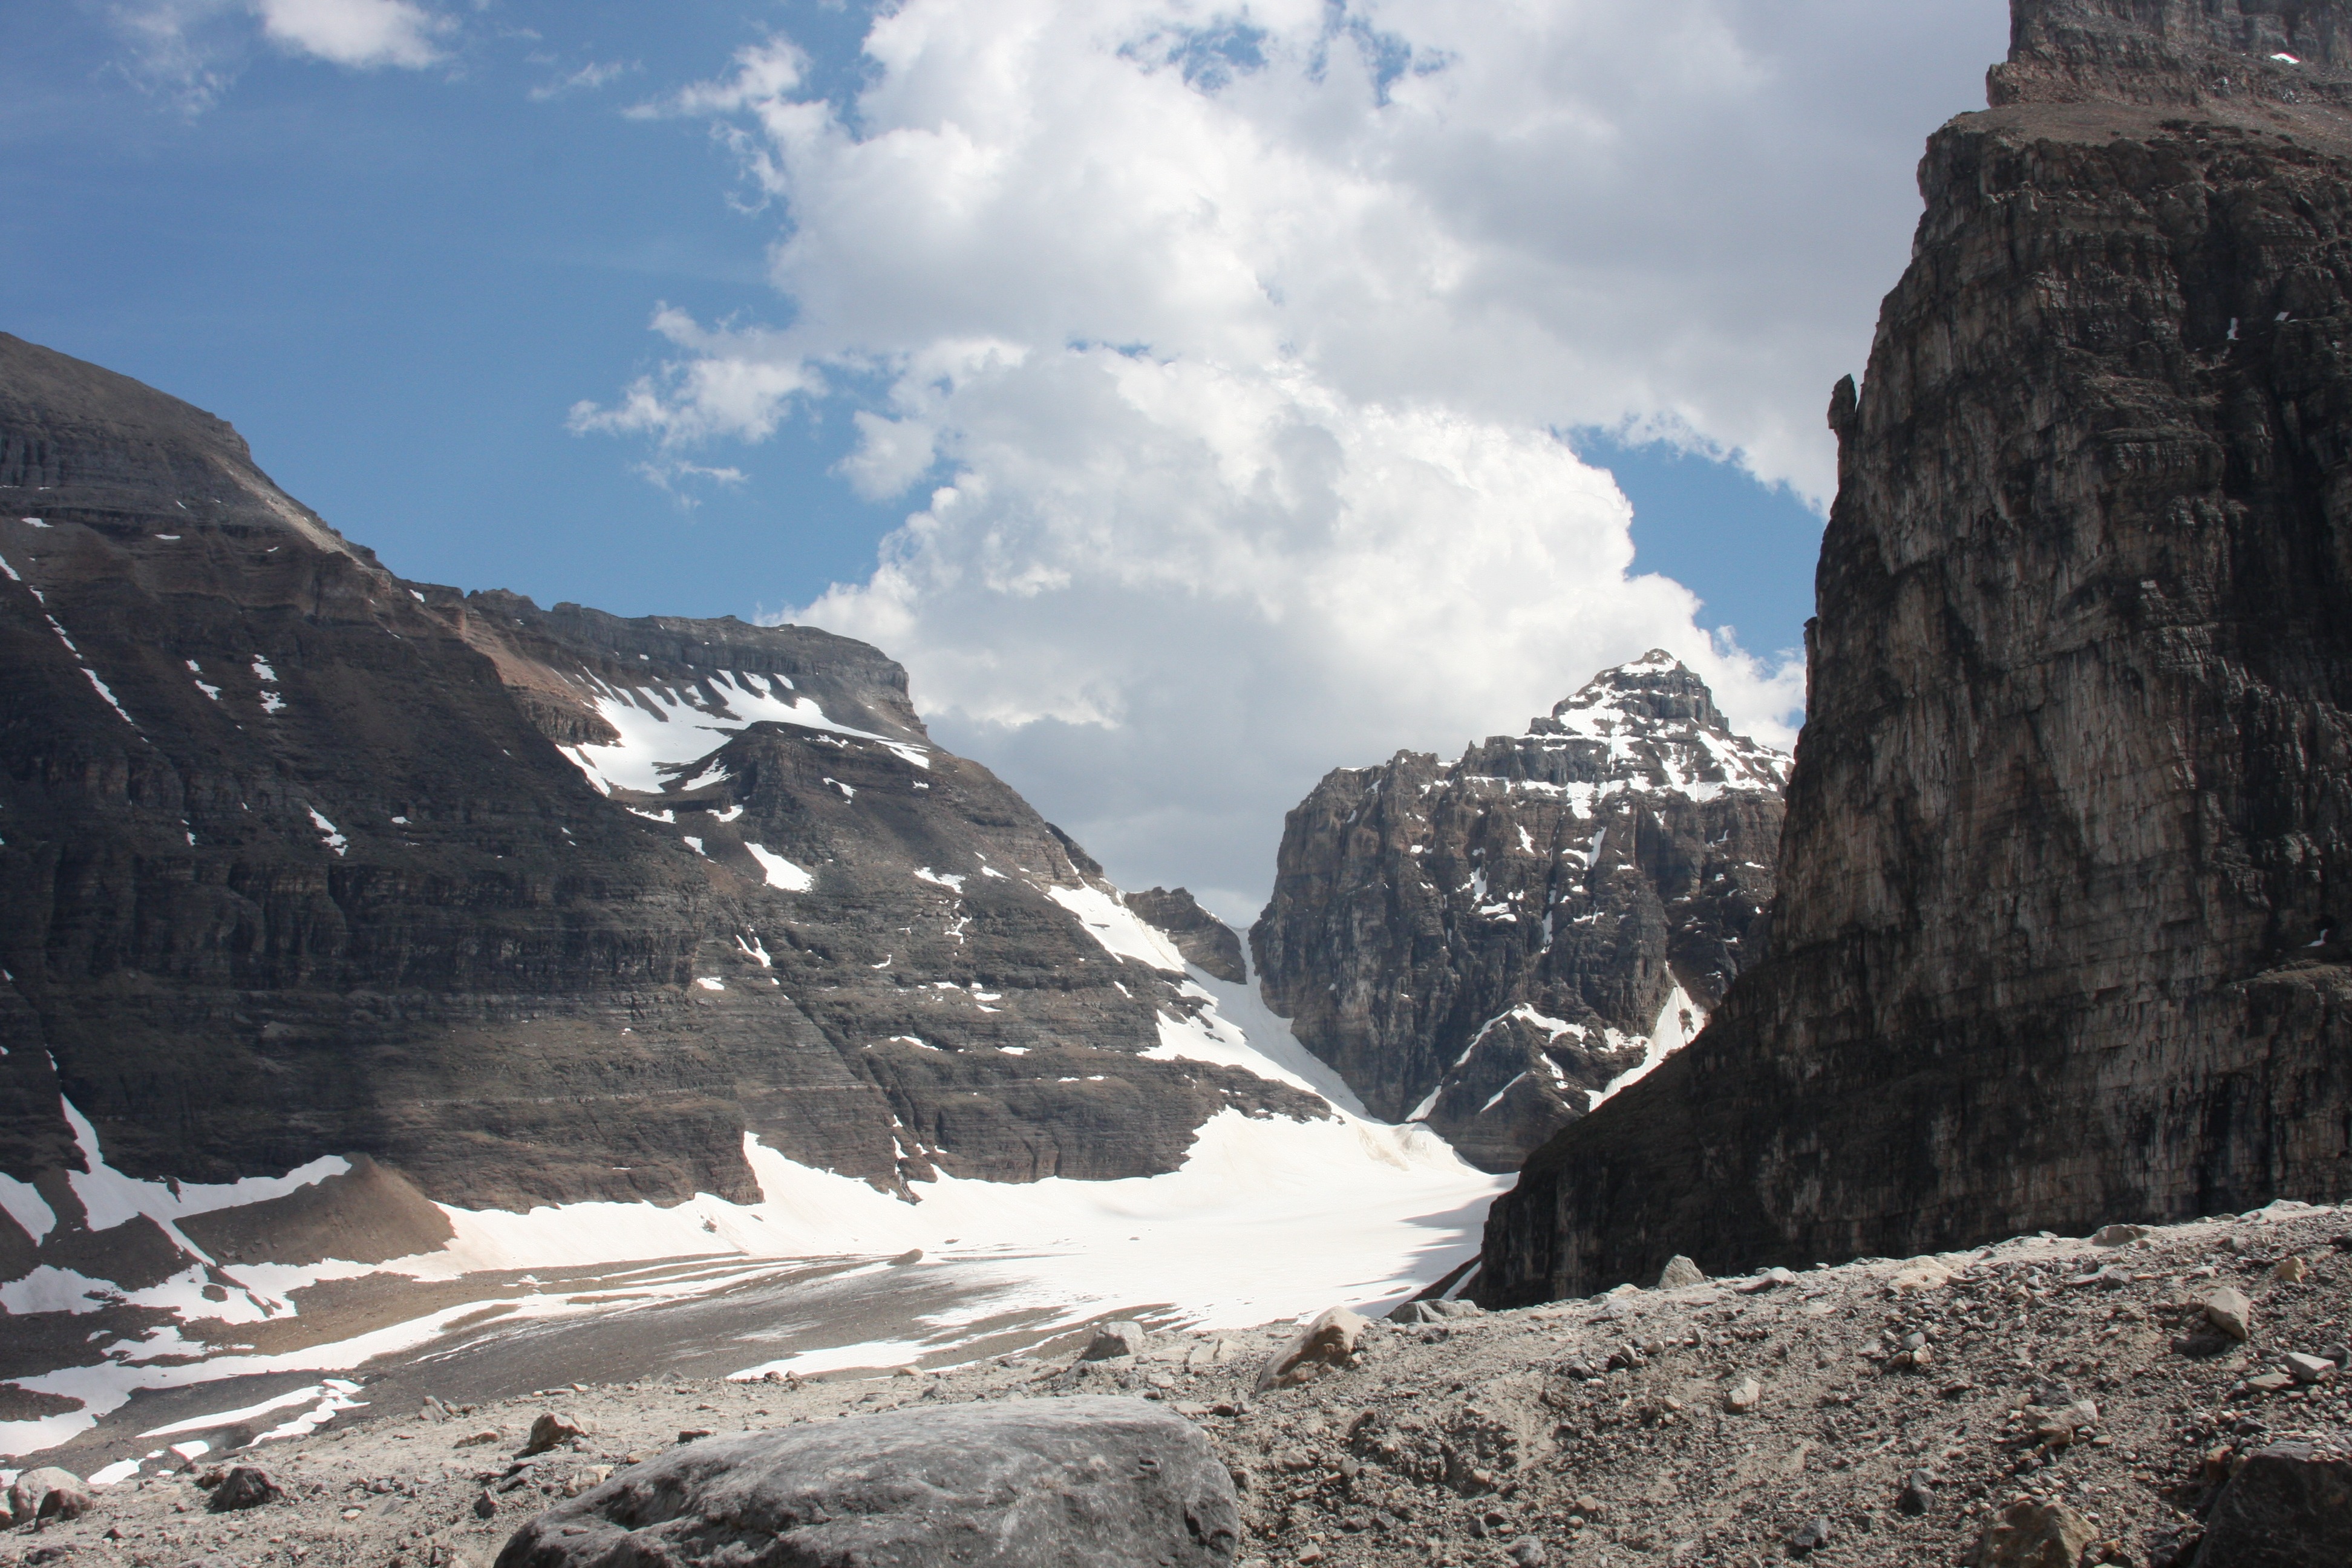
1678, 1024
1122, 933
665, 730
781, 872
327, 833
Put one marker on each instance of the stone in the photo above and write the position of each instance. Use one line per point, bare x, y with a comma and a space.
245, 1486
1527, 1553
1329, 1339
1743, 1397
1112, 1341
1810, 1536
2052, 397
1770, 1279
485, 1505
1415, 1312
2118, 1235
2270, 1383
1054, 1483
1918, 1493
48, 1492
2030, 1534
2291, 1271
2228, 1310
1679, 1272
2310, 1368
480, 1439
1418, 882
2288, 1505
549, 1430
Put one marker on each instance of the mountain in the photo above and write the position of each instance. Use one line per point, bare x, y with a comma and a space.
2056, 939
332, 903
1497, 945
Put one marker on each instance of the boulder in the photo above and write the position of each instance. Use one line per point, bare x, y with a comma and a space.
243, 1486
2310, 1368
1328, 1340
2228, 1310
48, 1493
549, 1430
2033, 1535
1419, 1311
1679, 1272
1743, 1397
2288, 1505
1113, 1340
1030, 1483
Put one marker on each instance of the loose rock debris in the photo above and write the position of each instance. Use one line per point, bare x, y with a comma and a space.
2068, 1392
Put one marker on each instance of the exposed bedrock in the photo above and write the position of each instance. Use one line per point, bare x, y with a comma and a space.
1491, 945
508, 906
2056, 936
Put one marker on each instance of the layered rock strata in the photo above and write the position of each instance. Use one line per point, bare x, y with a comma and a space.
1496, 944
370, 894
2056, 937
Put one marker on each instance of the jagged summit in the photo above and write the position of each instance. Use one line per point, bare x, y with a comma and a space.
1497, 945
1656, 727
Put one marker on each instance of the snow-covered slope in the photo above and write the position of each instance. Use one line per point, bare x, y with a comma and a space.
1268, 1217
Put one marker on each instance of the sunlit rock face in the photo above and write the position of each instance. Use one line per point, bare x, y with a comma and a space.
2056, 934
1497, 944
381, 895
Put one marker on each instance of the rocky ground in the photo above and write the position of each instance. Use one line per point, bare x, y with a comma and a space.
1883, 1410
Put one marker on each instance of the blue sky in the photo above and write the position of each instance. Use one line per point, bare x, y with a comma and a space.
1171, 386
395, 283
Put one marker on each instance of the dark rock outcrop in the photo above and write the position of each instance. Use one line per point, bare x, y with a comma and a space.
2057, 939
1207, 943
1036, 1483
505, 905
2286, 1504
1489, 945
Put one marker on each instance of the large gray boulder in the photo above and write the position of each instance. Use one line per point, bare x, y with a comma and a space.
1034, 1483
2289, 1504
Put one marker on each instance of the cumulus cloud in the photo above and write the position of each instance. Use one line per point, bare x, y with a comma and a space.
191, 50
1230, 348
355, 32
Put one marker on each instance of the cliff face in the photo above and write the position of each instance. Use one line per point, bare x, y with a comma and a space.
2055, 940
1494, 945
506, 906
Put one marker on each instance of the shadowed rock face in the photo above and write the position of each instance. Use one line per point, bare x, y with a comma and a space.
1488, 945
1206, 942
2056, 934
299, 859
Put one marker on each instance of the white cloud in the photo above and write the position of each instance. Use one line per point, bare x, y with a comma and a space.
360, 33
191, 50
1232, 341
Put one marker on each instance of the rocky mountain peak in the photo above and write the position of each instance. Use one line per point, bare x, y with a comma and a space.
1653, 722
1497, 945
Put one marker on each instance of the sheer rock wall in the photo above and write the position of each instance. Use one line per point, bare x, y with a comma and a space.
2056, 938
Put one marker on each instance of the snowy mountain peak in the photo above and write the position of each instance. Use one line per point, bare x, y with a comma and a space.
1653, 724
